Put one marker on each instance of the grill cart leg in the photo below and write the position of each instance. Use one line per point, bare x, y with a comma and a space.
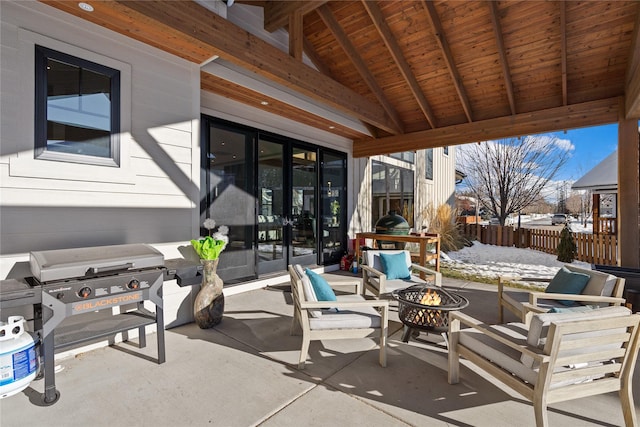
50, 395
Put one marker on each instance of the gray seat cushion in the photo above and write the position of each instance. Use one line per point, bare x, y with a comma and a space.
364, 317
498, 353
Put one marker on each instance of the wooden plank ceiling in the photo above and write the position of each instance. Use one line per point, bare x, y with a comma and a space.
418, 74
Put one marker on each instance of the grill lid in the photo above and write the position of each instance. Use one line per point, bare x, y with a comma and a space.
73, 263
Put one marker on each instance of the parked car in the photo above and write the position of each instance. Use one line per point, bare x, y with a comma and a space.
559, 219
507, 221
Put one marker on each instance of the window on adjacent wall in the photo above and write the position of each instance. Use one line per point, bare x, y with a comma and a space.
77, 109
407, 156
428, 155
392, 189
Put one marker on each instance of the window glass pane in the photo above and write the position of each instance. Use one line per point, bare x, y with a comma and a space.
78, 110
270, 200
407, 156
333, 202
303, 202
429, 163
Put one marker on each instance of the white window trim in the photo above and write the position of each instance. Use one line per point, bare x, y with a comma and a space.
24, 164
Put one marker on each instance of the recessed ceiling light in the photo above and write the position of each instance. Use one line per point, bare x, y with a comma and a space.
85, 6
264, 103
332, 127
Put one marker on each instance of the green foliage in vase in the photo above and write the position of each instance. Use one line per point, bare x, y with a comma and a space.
212, 245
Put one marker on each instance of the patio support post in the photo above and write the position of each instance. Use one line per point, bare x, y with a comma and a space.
628, 193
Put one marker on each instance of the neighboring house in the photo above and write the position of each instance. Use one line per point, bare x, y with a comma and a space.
163, 155
602, 182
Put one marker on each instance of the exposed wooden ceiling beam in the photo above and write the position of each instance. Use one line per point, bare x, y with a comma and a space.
506, 74
563, 50
591, 113
296, 39
276, 13
327, 17
396, 53
313, 56
438, 32
632, 87
190, 31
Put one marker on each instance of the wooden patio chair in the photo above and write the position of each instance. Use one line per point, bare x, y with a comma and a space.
377, 279
557, 357
351, 316
600, 289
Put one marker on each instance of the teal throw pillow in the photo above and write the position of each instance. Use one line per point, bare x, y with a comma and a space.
578, 309
567, 282
395, 266
320, 287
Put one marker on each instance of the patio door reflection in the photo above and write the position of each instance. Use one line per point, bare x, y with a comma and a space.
271, 207
304, 229
229, 199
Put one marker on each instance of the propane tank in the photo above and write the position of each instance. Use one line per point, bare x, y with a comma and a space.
18, 361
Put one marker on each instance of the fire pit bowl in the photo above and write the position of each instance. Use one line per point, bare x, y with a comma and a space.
426, 307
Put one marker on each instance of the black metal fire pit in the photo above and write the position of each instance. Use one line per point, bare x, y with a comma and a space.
426, 308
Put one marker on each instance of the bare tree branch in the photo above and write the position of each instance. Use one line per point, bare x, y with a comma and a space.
508, 175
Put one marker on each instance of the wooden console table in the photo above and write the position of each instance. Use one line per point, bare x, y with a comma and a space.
423, 239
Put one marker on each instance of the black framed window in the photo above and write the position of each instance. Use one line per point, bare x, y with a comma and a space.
77, 109
392, 190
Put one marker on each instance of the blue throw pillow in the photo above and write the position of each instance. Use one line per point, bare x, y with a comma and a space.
395, 266
320, 287
567, 282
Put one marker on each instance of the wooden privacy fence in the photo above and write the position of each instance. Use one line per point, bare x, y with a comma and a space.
592, 248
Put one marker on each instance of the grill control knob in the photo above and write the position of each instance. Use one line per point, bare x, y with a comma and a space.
84, 292
133, 284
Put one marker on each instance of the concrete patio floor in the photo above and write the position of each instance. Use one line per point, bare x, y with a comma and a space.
243, 373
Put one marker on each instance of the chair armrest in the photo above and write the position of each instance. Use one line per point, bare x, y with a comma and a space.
534, 296
355, 282
368, 271
456, 318
530, 310
437, 274
372, 271
515, 278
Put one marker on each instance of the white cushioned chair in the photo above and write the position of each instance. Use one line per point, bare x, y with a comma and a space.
351, 316
374, 276
601, 289
556, 357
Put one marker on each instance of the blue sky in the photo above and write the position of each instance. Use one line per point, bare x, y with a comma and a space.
592, 145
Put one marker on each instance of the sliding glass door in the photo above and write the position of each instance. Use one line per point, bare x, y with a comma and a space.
304, 209
271, 218
284, 201
229, 198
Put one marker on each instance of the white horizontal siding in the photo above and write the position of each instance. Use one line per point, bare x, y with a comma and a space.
152, 197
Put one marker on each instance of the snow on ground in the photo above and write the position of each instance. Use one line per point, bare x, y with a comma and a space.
492, 261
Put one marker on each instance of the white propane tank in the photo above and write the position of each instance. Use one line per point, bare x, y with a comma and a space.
18, 361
